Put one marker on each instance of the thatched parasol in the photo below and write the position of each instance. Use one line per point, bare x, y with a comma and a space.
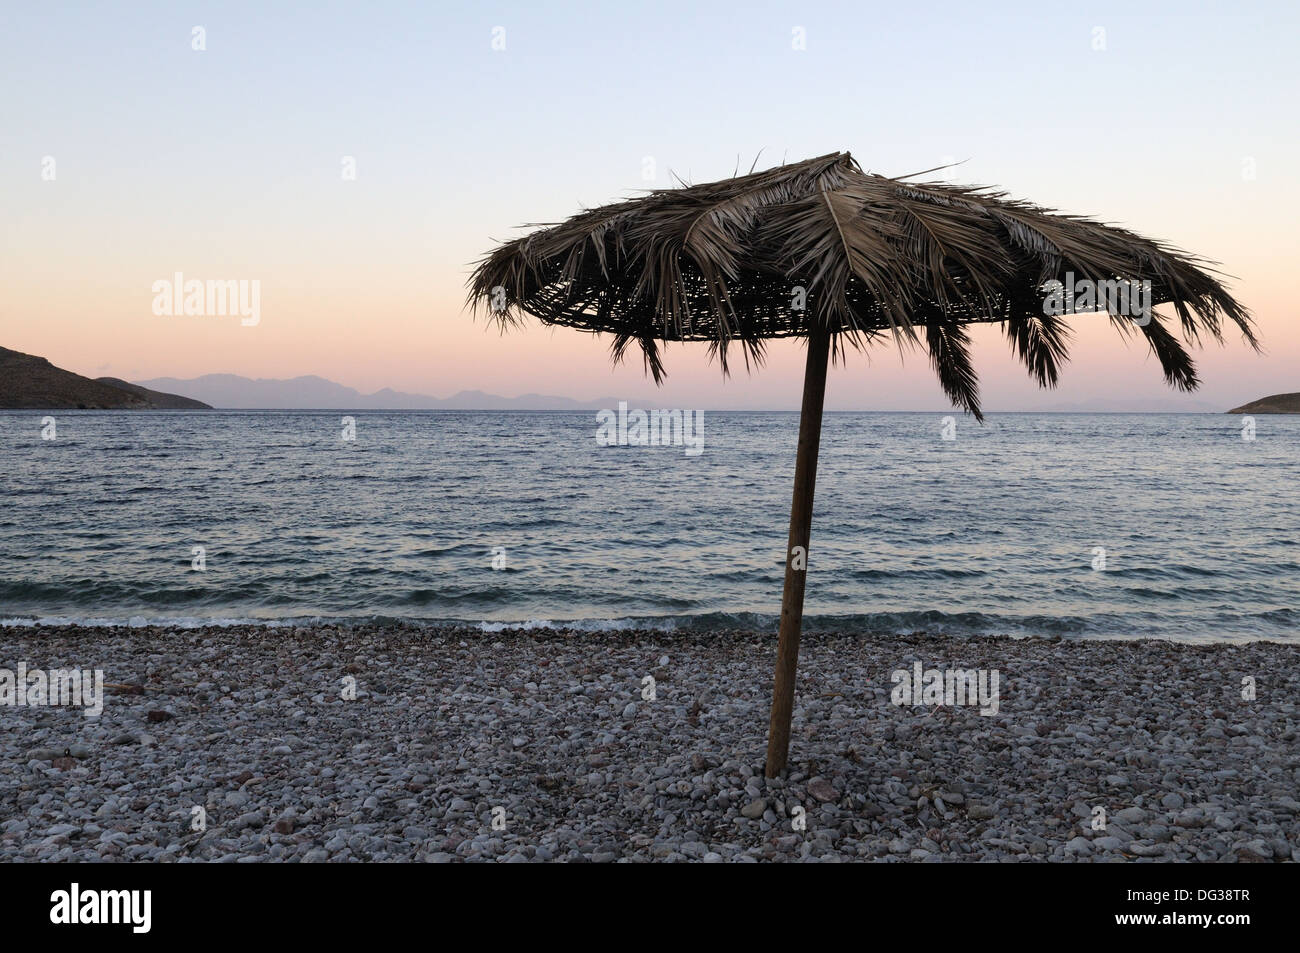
821, 250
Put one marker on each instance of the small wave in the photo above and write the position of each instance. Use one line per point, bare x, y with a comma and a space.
959, 625
143, 622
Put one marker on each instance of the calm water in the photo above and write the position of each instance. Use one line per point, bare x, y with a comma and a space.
993, 532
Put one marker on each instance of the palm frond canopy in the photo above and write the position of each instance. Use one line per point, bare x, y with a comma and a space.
821, 246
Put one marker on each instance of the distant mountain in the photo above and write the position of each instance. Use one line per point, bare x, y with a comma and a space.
28, 382
1277, 404
230, 391
1136, 405
235, 392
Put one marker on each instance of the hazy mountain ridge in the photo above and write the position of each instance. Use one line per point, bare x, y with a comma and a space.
310, 392
31, 382
1182, 404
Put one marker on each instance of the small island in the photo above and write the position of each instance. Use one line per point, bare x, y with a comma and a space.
1277, 404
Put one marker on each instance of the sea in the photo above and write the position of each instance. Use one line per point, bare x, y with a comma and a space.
1072, 526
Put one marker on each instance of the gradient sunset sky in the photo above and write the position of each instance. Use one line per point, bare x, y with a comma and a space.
227, 163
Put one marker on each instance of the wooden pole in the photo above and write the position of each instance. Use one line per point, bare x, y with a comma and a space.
796, 553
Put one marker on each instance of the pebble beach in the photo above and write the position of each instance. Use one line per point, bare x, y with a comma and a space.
337, 743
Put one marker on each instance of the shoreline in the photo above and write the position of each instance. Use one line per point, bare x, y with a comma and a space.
547, 732
702, 625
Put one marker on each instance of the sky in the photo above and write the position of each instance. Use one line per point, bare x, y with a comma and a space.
215, 140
